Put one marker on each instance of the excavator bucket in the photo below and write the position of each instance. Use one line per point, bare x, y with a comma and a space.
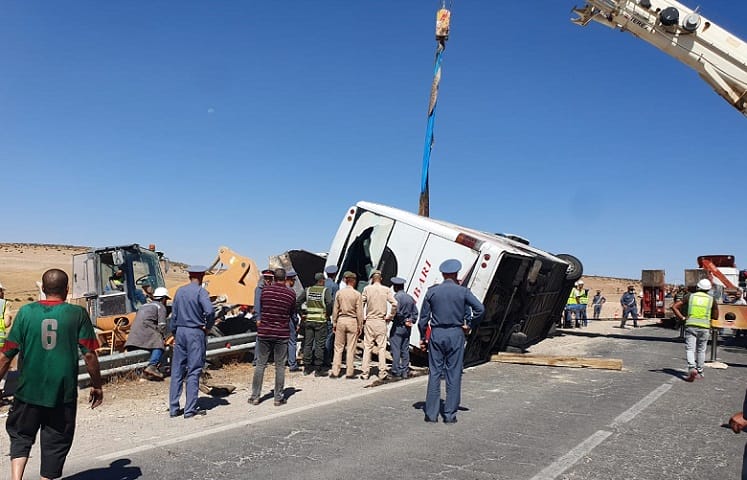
231, 278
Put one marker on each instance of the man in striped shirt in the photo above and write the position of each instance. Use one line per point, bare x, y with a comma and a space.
273, 330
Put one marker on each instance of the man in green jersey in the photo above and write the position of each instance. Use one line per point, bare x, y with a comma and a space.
48, 335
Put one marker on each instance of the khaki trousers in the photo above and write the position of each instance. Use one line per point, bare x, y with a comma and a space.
346, 333
374, 334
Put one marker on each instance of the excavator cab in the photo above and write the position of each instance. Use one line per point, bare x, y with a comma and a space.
113, 282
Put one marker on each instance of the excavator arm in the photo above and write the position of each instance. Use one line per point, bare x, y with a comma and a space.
719, 57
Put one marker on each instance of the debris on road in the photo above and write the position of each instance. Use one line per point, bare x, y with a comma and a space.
558, 361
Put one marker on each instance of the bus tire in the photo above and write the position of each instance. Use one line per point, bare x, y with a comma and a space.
575, 268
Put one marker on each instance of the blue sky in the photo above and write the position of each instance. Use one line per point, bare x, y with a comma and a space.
256, 124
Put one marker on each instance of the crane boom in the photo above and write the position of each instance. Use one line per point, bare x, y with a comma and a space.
719, 57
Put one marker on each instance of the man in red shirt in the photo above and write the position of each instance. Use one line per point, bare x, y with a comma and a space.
273, 330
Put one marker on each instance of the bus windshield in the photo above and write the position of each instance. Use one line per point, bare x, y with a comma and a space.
366, 250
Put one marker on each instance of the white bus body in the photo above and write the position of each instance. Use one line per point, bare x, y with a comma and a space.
524, 289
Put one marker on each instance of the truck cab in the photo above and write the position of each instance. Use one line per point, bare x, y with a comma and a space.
112, 282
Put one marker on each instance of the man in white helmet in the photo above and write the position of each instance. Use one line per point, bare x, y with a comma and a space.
701, 309
149, 330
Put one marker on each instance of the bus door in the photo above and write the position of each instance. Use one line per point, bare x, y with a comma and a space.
435, 251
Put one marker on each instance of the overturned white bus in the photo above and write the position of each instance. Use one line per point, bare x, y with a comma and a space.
524, 289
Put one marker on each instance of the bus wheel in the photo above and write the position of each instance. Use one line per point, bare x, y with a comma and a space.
575, 268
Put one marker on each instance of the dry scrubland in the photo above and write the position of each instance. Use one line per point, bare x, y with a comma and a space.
22, 264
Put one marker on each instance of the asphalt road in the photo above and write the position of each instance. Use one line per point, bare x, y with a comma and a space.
517, 422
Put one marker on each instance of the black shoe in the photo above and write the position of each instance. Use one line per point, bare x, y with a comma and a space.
253, 401
350, 377
429, 420
295, 369
321, 373
307, 371
196, 413
453, 420
178, 413
280, 402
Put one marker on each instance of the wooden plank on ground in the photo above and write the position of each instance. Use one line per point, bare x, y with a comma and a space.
558, 361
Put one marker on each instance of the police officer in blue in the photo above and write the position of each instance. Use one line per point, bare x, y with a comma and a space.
452, 311
290, 282
332, 287
399, 334
192, 316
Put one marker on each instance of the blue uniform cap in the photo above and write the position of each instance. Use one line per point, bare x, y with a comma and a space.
451, 265
397, 281
197, 269
291, 274
330, 269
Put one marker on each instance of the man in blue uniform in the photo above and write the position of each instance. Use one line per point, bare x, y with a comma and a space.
290, 282
445, 309
192, 316
629, 307
399, 334
267, 278
332, 287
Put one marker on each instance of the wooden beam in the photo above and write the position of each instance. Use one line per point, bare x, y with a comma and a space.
558, 361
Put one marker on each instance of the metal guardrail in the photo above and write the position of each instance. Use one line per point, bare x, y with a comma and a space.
129, 361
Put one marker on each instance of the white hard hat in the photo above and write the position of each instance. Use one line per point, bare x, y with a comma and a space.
161, 292
704, 284
580, 282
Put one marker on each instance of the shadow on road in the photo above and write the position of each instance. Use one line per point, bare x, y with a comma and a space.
209, 403
287, 393
421, 406
117, 470
671, 371
645, 338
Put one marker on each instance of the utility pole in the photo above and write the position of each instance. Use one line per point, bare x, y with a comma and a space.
443, 20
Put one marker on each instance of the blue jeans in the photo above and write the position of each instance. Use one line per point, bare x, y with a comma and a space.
445, 357
696, 341
155, 356
292, 342
570, 310
329, 345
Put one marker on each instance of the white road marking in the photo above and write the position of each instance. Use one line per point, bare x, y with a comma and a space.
565, 462
641, 405
574, 455
253, 421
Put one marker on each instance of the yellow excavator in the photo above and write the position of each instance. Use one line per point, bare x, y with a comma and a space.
112, 282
